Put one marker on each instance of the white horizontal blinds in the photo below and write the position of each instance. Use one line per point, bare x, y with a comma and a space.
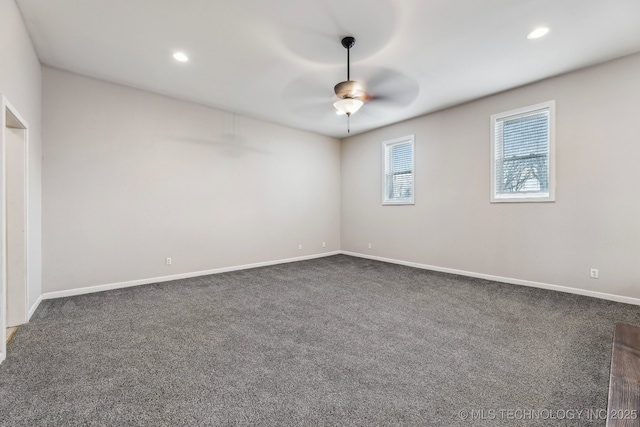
522, 153
399, 171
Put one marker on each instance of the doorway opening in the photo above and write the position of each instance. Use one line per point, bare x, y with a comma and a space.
14, 284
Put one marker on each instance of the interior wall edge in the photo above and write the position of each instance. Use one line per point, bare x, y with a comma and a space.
149, 281
592, 225
21, 83
557, 288
34, 307
140, 178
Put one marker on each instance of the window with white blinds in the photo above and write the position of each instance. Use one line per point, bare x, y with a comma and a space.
397, 171
523, 154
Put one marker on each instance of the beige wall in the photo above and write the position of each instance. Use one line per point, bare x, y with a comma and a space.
595, 221
131, 178
20, 83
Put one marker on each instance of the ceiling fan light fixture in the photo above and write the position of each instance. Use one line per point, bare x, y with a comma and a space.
348, 106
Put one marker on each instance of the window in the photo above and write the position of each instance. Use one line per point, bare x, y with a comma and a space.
522, 154
397, 171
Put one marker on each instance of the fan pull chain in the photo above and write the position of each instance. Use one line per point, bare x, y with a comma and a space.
348, 123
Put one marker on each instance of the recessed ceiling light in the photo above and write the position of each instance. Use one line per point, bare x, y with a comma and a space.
537, 33
181, 57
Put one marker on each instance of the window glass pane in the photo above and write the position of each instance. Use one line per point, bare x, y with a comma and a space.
401, 174
522, 160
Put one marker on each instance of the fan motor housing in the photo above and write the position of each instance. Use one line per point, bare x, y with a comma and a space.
349, 89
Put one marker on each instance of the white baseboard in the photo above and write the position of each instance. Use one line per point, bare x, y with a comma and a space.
34, 307
601, 295
119, 285
127, 284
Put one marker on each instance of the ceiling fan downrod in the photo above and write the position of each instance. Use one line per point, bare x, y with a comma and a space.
348, 43
350, 93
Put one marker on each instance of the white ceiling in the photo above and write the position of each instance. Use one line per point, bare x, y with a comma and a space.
278, 60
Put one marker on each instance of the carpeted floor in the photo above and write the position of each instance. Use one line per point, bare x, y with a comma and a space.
332, 341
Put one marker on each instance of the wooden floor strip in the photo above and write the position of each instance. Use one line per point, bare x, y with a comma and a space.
10, 333
624, 384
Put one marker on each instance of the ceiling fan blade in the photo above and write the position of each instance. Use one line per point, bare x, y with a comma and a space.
391, 87
310, 97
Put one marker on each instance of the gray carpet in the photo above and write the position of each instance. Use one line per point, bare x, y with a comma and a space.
333, 341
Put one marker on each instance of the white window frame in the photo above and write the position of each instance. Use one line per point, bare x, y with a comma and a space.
397, 141
550, 195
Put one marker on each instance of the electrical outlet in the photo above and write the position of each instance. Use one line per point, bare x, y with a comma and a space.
324, 244
369, 245
594, 273
300, 246
168, 261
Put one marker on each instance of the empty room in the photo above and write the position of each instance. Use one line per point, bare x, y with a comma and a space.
320, 212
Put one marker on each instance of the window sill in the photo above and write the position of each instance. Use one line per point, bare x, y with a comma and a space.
523, 198
399, 203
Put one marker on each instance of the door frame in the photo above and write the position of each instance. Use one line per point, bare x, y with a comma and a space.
11, 118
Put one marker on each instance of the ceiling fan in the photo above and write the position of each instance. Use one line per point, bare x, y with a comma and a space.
393, 87
386, 90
